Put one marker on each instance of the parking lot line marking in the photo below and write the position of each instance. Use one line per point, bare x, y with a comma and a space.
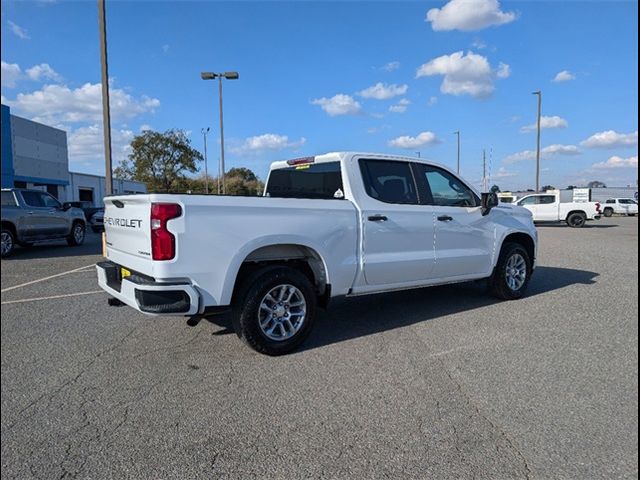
46, 278
51, 297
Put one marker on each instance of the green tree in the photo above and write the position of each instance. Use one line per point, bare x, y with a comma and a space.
547, 187
596, 184
160, 160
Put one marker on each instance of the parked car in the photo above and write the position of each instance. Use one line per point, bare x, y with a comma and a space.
97, 221
620, 206
86, 206
546, 207
332, 225
29, 216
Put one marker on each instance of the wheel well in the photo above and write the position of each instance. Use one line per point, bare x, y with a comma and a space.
522, 239
576, 211
11, 227
298, 257
608, 208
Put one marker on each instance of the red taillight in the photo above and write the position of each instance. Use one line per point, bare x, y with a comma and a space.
598, 207
163, 243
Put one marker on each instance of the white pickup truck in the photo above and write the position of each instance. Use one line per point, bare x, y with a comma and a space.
620, 206
546, 207
339, 224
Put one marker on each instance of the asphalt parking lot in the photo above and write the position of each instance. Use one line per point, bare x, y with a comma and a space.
434, 383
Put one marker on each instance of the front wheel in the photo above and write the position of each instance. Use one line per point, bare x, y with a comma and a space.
512, 273
76, 237
577, 220
275, 310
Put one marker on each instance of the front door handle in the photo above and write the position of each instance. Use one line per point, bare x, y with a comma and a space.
445, 218
377, 218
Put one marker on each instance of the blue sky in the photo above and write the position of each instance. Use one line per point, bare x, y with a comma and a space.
395, 77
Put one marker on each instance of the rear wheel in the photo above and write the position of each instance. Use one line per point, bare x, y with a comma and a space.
8, 242
608, 212
76, 237
576, 220
512, 273
275, 310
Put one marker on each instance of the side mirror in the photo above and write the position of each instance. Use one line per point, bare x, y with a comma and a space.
489, 201
66, 206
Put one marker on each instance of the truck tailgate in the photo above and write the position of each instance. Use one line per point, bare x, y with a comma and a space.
126, 223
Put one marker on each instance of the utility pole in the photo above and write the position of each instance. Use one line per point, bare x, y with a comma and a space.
539, 94
484, 170
106, 114
205, 131
458, 134
418, 154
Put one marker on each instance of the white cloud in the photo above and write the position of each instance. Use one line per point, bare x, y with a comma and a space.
469, 74
54, 104
18, 31
546, 152
87, 143
420, 140
400, 107
432, 101
11, 73
564, 76
545, 123
381, 91
504, 70
266, 142
339, 104
144, 127
503, 173
617, 162
478, 44
611, 139
468, 15
391, 66
43, 72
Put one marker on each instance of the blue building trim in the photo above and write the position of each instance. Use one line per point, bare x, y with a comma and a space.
45, 181
6, 169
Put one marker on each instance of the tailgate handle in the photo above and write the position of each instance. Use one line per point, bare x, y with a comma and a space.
118, 203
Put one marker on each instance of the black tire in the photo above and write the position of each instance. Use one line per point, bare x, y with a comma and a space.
77, 235
608, 212
576, 220
8, 242
247, 311
498, 283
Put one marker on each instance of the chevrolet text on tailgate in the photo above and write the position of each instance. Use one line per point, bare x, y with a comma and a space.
340, 224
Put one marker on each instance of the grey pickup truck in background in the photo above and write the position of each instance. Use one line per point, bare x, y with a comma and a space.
30, 216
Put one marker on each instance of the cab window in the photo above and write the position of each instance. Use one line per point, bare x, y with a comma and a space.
445, 189
389, 181
527, 201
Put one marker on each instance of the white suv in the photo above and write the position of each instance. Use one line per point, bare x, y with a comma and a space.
621, 206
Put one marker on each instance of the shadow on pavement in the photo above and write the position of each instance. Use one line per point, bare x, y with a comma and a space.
349, 318
586, 226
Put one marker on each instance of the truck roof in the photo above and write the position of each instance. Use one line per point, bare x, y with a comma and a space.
338, 156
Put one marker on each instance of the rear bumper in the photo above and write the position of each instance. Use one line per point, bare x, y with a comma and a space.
147, 295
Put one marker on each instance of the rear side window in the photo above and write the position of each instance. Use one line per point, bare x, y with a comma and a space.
318, 181
33, 199
626, 201
546, 199
388, 181
8, 200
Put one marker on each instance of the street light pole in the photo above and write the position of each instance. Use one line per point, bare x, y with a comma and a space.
106, 114
205, 131
539, 94
458, 134
219, 76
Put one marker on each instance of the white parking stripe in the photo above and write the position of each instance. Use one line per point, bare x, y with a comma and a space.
46, 278
51, 297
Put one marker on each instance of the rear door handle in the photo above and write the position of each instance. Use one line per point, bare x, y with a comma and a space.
377, 218
445, 218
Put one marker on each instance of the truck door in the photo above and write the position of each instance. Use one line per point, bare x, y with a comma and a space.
398, 240
464, 239
547, 208
37, 219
